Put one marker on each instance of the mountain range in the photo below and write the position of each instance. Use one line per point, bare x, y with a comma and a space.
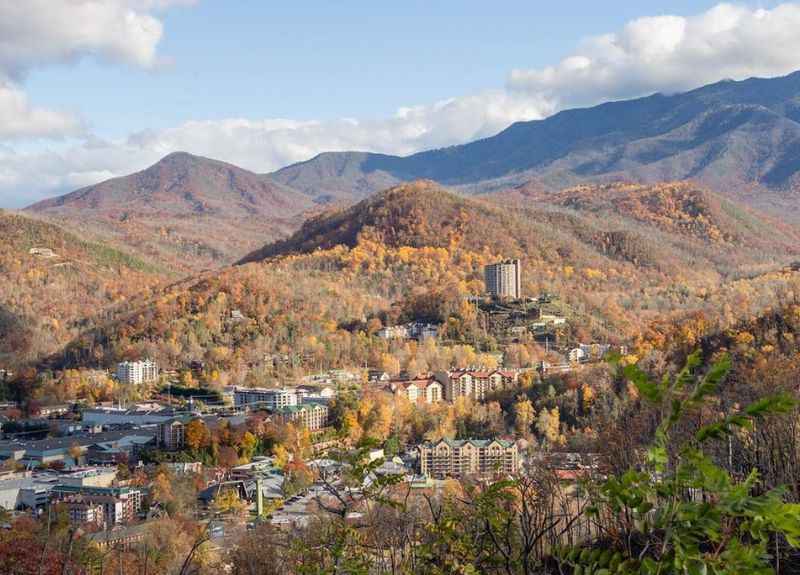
736, 137
739, 138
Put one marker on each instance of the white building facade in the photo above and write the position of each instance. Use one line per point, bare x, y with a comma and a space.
137, 372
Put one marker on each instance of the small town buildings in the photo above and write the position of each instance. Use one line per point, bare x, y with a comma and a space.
42, 252
120, 537
547, 319
393, 332
171, 434
260, 465
378, 376
413, 330
468, 458
25, 492
503, 280
122, 450
587, 352
420, 331
120, 504
96, 476
145, 415
54, 410
137, 372
184, 467
312, 394
43, 451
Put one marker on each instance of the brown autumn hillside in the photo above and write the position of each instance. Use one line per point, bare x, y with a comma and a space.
54, 283
682, 208
185, 211
323, 292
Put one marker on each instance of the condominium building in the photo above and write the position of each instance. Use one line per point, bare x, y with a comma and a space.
270, 399
476, 383
421, 389
119, 504
414, 330
83, 512
137, 372
503, 279
172, 434
468, 458
312, 416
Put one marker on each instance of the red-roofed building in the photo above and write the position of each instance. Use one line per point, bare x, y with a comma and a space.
418, 390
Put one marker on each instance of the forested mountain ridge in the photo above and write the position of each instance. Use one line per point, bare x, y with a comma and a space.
548, 225
185, 211
739, 138
418, 251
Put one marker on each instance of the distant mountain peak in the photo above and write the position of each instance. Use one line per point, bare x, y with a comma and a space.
194, 208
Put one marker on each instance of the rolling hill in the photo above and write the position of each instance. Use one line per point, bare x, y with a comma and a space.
739, 138
185, 211
664, 221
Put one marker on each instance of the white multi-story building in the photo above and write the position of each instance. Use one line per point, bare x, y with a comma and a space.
393, 332
271, 399
476, 383
137, 372
587, 352
503, 279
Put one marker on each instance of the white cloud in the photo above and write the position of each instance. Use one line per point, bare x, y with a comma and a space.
662, 53
37, 33
670, 53
18, 118
258, 145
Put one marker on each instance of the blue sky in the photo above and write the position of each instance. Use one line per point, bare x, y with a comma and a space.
327, 60
91, 89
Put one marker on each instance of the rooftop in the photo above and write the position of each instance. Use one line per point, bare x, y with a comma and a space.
474, 442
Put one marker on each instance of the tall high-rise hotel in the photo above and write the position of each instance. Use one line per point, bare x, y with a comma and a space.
503, 279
